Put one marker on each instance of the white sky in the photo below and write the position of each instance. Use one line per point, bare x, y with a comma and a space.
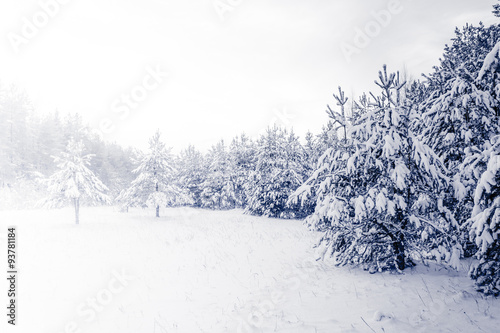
266, 61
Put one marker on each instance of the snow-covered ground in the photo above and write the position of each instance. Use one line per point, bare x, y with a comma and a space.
210, 271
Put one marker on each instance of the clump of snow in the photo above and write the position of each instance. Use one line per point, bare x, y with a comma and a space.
490, 61
378, 316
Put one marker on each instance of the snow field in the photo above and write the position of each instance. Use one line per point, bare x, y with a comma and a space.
195, 270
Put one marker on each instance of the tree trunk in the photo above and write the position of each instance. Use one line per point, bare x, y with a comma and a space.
398, 244
399, 253
77, 210
157, 206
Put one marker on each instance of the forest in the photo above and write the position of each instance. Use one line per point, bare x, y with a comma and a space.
406, 174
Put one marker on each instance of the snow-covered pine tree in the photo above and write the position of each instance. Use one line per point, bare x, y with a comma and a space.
278, 173
379, 201
327, 138
331, 183
242, 158
192, 172
156, 184
15, 136
74, 181
296, 171
49, 142
218, 188
496, 10
461, 116
484, 224
326, 177
312, 153
313, 150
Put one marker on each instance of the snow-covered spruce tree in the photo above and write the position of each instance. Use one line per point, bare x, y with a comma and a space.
278, 173
242, 160
379, 201
156, 184
461, 116
192, 173
74, 181
218, 191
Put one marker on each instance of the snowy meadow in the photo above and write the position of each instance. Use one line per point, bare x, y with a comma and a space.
195, 270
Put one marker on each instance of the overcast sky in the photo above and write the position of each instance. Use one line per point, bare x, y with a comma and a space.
202, 70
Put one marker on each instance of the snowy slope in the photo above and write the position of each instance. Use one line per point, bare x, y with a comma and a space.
211, 271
